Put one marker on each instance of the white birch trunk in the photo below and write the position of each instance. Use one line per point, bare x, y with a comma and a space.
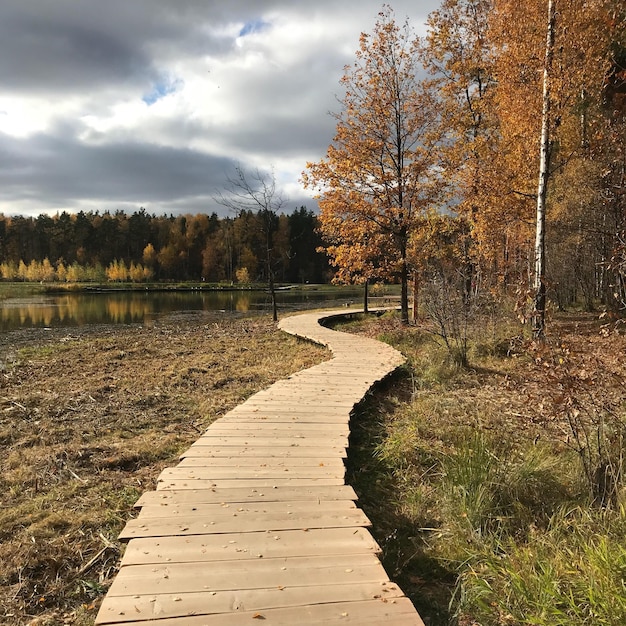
539, 312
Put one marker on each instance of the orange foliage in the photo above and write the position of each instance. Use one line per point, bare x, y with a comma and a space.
381, 171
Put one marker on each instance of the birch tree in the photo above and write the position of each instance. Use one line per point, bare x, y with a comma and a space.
539, 305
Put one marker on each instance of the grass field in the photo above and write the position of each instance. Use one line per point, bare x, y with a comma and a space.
88, 419
475, 479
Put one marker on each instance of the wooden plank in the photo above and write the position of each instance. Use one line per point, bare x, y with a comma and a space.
185, 470
269, 441
276, 433
259, 483
234, 452
344, 374
162, 606
249, 494
301, 394
316, 375
310, 382
294, 408
282, 429
202, 455
396, 612
287, 508
293, 401
259, 573
241, 523
288, 417
287, 407
237, 546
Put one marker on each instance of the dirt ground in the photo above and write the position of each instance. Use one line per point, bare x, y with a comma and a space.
89, 416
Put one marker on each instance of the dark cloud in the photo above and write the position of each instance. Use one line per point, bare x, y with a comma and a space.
64, 44
67, 171
43, 51
81, 59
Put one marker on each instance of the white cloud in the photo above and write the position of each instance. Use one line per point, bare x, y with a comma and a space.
152, 101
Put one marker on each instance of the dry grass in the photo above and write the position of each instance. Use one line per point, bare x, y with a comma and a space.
88, 419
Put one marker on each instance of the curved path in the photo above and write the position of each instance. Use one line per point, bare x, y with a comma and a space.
256, 522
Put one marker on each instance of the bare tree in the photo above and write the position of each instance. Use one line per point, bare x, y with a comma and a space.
256, 192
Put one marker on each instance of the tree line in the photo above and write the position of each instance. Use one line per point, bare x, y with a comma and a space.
486, 157
116, 246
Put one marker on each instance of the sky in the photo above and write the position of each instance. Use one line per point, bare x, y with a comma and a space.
122, 104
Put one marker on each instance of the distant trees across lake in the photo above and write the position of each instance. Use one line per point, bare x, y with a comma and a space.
100, 247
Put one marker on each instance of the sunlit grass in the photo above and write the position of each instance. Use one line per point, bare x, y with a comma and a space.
481, 510
571, 572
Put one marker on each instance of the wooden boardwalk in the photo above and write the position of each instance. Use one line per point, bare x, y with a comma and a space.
256, 522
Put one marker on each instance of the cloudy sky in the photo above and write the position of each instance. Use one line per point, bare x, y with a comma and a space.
119, 104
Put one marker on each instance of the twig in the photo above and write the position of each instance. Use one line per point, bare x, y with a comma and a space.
75, 475
107, 542
91, 561
108, 545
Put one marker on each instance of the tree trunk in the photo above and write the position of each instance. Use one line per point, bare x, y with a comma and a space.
273, 296
539, 308
365, 296
268, 262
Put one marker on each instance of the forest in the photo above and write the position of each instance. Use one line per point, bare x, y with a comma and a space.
486, 157
483, 167
100, 247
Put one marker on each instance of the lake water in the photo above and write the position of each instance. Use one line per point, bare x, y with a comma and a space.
78, 309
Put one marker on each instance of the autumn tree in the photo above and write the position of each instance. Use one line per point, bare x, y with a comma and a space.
117, 271
149, 256
552, 60
217, 256
606, 140
61, 272
381, 171
256, 193
458, 55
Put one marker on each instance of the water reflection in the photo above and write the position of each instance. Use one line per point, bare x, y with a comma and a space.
132, 307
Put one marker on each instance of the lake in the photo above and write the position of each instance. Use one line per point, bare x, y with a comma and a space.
132, 307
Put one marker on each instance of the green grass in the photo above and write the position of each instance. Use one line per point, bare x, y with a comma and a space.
19, 290
572, 572
484, 520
